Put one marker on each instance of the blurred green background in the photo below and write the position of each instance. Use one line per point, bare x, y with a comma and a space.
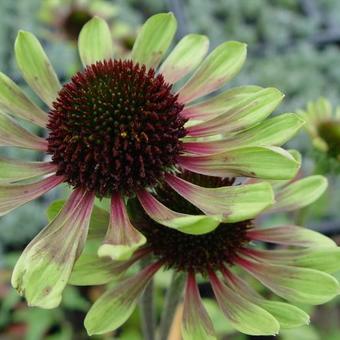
294, 45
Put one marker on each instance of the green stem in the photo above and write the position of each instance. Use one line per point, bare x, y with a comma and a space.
172, 298
147, 312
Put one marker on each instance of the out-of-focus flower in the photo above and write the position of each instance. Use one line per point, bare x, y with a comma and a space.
297, 269
323, 126
117, 130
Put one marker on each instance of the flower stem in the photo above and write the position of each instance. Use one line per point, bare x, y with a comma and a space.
172, 299
147, 311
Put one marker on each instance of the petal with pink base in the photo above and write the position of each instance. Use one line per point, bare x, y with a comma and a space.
12, 134
251, 111
219, 104
12, 170
292, 236
234, 203
121, 239
190, 224
13, 196
116, 305
185, 57
196, 322
244, 315
300, 285
252, 161
45, 266
221, 65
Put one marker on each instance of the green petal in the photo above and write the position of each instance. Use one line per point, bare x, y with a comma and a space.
189, 224
251, 111
253, 161
12, 134
245, 316
154, 39
12, 170
95, 42
44, 267
222, 64
185, 57
14, 101
219, 104
235, 203
36, 68
301, 285
115, 306
300, 193
287, 315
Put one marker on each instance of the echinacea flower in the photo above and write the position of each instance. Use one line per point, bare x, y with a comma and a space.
297, 270
118, 129
323, 126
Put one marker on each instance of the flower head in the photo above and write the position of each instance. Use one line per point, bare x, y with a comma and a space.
295, 270
323, 126
119, 130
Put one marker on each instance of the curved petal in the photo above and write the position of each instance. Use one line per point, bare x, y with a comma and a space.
44, 267
251, 111
252, 161
196, 321
121, 239
220, 103
14, 101
13, 170
12, 134
291, 235
13, 196
185, 57
154, 39
190, 224
116, 305
274, 131
221, 65
234, 203
300, 193
301, 285
36, 68
244, 315
95, 42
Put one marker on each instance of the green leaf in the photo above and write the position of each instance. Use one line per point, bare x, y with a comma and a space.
14, 101
154, 39
36, 68
222, 64
95, 42
300, 193
185, 57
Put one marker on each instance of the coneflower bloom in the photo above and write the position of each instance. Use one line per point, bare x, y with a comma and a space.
118, 128
296, 270
323, 126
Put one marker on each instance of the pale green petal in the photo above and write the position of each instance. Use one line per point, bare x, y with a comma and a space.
251, 111
301, 285
44, 267
222, 64
12, 134
36, 68
300, 193
189, 224
234, 203
116, 305
154, 39
95, 42
185, 57
253, 161
12, 170
14, 101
